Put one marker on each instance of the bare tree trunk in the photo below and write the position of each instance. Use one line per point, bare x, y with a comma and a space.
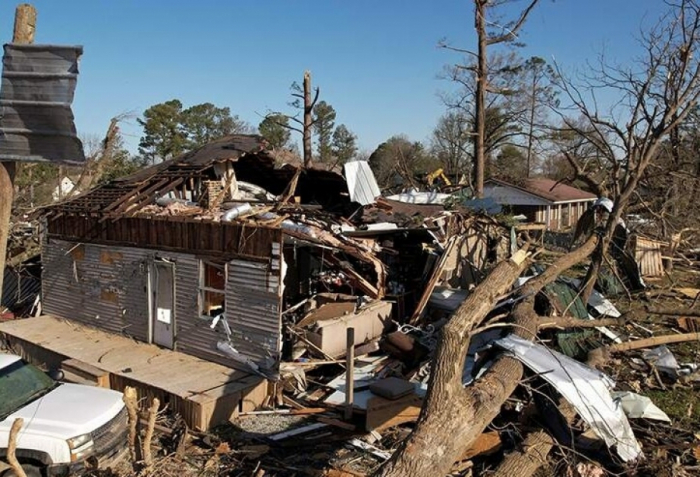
99, 160
480, 100
593, 270
25, 26
613, 220
308, 110
444, 428
531, 455
482, 81
7, 190
129, 398
531, 125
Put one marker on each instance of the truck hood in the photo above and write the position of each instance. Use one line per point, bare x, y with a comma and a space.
68, 411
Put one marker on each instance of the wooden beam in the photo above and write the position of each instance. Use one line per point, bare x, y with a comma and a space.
434, 279
355, 277
129, 195
129, 199
135, 207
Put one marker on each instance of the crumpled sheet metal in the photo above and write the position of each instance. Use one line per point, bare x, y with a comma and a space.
637, 406
662, 359
586, 389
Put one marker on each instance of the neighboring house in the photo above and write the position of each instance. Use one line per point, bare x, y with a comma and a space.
62, 190
557, 205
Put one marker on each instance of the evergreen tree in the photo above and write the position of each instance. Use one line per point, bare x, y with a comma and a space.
344, 146
324, 123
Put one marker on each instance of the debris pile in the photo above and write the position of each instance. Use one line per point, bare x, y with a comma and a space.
372, 285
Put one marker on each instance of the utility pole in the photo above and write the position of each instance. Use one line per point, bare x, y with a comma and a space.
25, 27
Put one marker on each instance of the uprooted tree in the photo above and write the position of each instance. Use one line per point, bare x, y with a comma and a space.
656, 94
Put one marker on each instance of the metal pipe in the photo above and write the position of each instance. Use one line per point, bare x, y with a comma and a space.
237, 211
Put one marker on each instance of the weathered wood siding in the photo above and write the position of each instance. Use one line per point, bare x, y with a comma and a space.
175, 234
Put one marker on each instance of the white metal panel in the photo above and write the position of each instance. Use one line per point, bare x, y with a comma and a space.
362, 184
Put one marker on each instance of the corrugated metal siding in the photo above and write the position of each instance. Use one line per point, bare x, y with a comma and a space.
36, 121
19, 288
253, 309
111, 293
133, 297
648, 255
105, 287
194, 335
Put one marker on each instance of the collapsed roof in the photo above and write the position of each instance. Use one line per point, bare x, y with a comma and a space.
183, 177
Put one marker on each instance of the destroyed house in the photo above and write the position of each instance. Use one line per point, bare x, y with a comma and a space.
176, 255
557, 205
230, 255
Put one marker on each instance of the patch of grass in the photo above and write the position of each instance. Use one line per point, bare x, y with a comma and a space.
676, 403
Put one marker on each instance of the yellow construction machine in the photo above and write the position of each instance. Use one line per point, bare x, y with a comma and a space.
438, 174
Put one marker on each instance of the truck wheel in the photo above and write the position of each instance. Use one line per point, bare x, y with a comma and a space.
30, 470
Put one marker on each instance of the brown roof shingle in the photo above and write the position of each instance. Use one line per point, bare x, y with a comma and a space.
550, 190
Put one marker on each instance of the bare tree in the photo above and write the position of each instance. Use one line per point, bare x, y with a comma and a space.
504, 112
538, 95
305, 102
503, 34
450, 143
482, 69
656, 94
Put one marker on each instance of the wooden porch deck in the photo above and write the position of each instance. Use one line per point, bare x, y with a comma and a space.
203, 393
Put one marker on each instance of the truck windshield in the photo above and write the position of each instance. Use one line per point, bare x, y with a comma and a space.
21, 383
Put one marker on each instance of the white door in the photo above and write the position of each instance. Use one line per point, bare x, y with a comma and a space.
163, 300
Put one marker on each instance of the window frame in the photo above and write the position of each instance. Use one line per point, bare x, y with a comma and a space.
202, 289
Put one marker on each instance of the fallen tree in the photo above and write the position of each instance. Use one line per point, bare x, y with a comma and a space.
453, 416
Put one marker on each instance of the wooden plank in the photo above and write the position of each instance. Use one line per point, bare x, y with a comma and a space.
434, 279
133, 206
385, 413
140, 192
355, 277
87, 371
129, 195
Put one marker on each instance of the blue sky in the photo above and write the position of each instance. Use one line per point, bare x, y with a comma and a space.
377, 62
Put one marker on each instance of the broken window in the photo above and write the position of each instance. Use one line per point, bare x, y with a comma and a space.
212, 288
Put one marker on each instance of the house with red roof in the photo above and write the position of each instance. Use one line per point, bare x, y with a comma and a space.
557, 205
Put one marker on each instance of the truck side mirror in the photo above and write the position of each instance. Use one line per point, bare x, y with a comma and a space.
56, 374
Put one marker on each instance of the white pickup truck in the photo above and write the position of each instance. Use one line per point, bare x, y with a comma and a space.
66, 426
